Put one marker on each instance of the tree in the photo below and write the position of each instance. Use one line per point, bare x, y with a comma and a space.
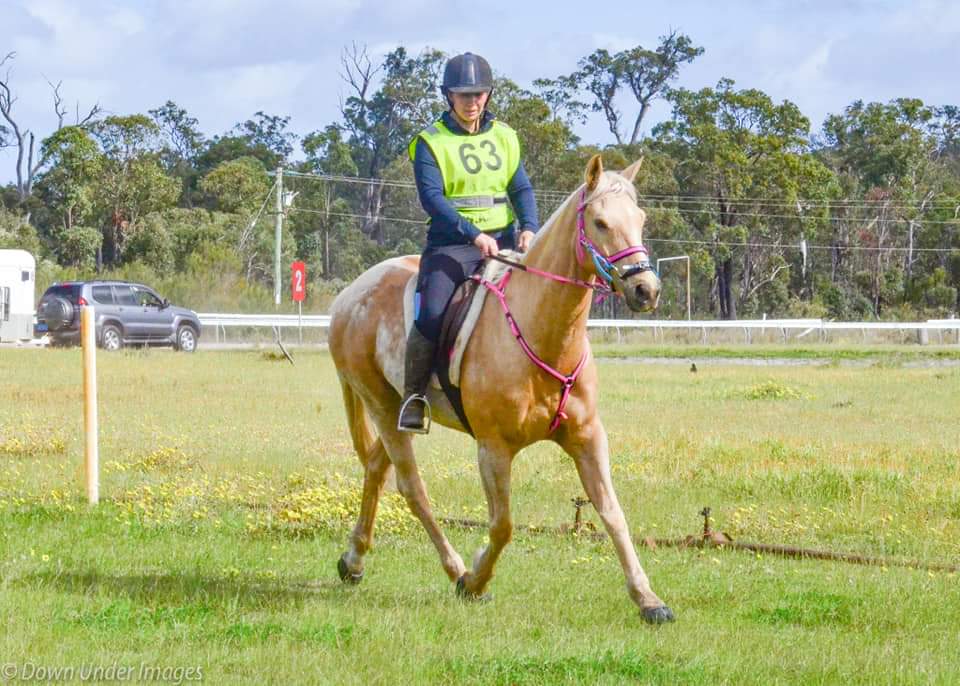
648, 73
182, 144
545, 138
560, 94
24, 139
225, 148
268, 131
238, 185
381, 123
132, 182
327, 153
895, 158
68, 187
600, 74
645, 73
742, 151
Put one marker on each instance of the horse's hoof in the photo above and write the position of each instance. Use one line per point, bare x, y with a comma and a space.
658, 615
464, 594
346, 575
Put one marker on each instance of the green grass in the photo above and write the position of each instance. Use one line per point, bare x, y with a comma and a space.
829, 352
229, 487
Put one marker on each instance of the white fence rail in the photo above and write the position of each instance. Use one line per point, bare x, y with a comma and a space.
785, 327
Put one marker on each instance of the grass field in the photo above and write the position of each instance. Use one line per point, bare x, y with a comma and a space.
229, 487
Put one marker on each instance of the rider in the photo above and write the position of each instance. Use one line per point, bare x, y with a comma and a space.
467, 166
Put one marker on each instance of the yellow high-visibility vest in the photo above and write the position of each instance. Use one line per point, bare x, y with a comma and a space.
476, 171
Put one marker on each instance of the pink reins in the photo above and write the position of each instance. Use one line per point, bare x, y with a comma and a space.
605, 267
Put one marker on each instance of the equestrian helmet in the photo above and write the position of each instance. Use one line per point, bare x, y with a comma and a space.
467, 73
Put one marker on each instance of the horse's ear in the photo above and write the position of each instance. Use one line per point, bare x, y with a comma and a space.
630, 173
594, 170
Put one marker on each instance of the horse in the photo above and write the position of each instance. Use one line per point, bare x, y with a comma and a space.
510, 402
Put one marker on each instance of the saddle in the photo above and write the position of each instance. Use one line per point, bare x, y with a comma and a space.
459, 321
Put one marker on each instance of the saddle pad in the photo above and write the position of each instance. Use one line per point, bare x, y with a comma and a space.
493, 271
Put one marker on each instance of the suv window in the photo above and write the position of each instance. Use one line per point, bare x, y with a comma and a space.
146, 298
103, 295
70, 291
124, 295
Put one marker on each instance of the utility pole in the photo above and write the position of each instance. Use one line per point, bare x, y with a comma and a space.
278, 231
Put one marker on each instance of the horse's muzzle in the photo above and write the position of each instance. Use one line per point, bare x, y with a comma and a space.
643, 295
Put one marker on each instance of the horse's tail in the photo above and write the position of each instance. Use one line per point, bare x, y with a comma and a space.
361, 428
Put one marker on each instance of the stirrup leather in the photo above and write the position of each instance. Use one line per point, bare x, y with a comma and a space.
427, 415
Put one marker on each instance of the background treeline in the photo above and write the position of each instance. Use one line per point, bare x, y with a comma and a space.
854, 219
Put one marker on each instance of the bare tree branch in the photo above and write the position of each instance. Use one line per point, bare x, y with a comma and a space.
58, 107
7, 99
25, 139
94, 112
769, 279
358, 71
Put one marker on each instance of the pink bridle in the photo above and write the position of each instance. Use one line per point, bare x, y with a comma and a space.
605, 266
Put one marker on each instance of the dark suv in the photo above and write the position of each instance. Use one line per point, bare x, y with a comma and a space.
126, 313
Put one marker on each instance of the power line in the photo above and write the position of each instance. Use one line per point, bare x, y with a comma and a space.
265, 199
767, 215
679, 241
420, 222
683, 241
807, 203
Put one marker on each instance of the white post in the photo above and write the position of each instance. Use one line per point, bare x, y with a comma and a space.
300, 319
91, 454
679, 257
278, 230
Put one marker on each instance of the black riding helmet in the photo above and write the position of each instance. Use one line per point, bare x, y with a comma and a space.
467, 73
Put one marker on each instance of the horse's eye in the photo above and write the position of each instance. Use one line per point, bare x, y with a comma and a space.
602, 225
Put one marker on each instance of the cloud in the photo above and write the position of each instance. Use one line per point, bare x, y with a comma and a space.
225, 59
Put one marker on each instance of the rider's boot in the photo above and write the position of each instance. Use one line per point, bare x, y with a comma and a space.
418, 366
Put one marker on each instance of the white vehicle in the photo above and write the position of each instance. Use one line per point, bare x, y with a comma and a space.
17, 292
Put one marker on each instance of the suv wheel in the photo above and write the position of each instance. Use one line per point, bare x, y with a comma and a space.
110, 338
186, 339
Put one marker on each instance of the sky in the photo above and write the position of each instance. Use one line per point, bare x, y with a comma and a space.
223, 60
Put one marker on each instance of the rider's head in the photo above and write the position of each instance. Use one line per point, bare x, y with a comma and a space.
467, 85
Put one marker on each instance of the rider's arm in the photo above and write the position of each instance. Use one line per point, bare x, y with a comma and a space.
430, 189
524, 203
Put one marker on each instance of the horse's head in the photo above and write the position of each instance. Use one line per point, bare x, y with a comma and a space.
611, 233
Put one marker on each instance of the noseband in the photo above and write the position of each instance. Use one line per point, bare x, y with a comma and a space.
605, 265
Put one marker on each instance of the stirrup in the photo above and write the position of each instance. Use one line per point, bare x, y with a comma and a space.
427, 415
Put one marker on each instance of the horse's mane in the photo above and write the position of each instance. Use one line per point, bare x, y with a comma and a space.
610, 182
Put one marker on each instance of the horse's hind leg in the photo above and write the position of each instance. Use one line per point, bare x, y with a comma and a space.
495, 474
399, 446
376, 469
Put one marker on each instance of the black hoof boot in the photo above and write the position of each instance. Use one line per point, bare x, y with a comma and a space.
346, 576
658, 615
464, 594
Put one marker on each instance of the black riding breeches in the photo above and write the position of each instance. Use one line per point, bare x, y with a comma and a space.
442, 269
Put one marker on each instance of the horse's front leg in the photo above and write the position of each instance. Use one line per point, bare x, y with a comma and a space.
590, 452
494, 463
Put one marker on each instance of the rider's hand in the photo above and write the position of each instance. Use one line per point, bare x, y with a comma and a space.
488, 246
524, 242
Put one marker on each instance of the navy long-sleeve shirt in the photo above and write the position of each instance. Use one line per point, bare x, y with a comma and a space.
447, 226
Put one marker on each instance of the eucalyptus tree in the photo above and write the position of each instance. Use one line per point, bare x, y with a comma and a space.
761, 190
604, 77
132, 181
388, 103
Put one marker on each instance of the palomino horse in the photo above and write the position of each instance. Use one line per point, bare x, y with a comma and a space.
509, 401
